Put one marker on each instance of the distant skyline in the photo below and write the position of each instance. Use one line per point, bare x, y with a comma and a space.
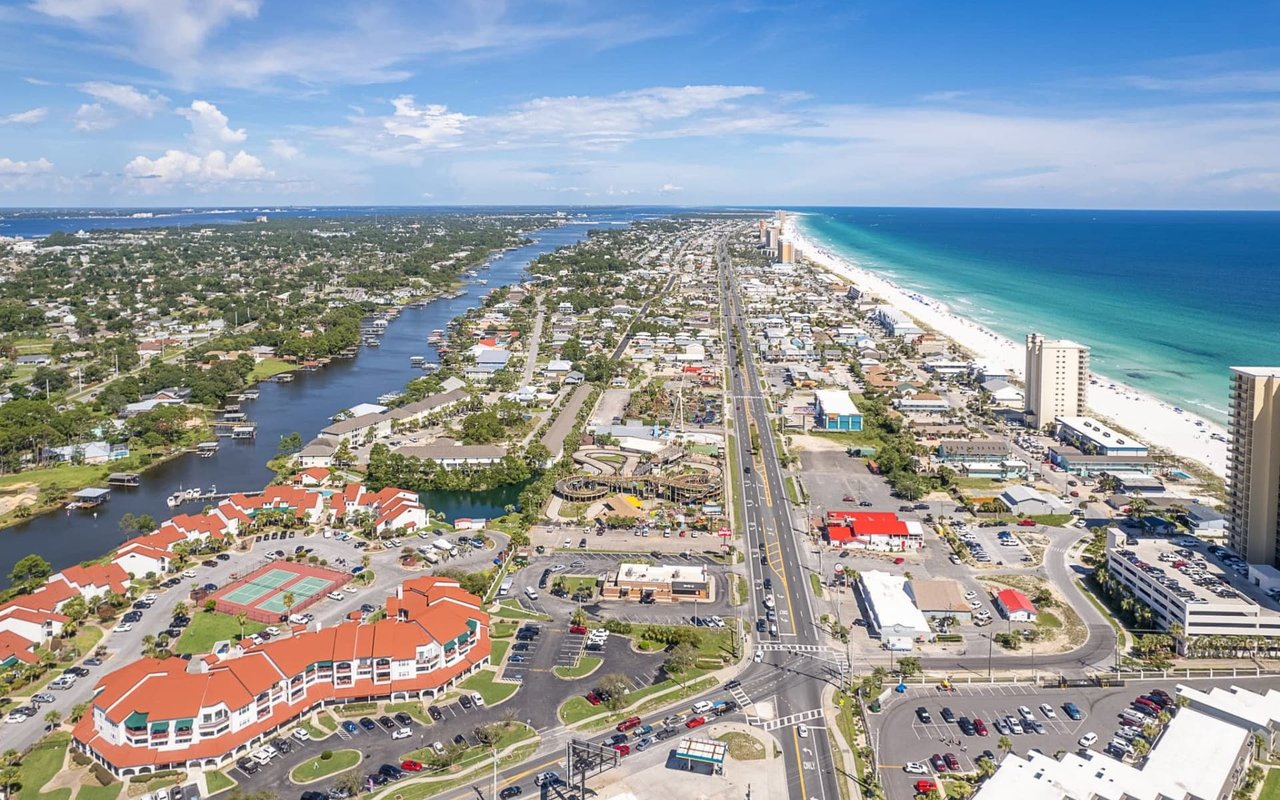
742, 102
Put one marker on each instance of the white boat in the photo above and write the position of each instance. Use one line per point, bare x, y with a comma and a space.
416, 361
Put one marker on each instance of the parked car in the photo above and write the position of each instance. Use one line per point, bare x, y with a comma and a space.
695, 722
1073, 711
367, 723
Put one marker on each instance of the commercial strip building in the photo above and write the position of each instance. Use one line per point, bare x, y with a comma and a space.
892, 612
835, 411
658, 583
158, 714
1057, 376
1203, 754
1180, 591
1253, 464
938, 598
873, 530
1088, 435
1074, 461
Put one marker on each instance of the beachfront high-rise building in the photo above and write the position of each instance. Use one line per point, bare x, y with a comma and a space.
1253, 467
1057, 376
786, 252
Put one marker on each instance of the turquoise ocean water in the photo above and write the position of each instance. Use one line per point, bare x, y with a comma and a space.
1166, 300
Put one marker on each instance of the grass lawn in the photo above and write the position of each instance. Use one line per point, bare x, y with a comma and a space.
1054, 519
731, 486
268, 368
40, 765
503, 629
737, 589
576, 708
867, 438
815, 581
319, 767
492, 691
989, 485
742, 746
1047, 619
432, 788
516, 733
580, 583
94, 792
207, 628
586, 665
1271, 786
412, 708
498, 651
326, 722
793, 492
316, 733
218, 781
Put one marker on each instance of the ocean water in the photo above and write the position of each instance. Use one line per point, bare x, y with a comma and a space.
1167, 300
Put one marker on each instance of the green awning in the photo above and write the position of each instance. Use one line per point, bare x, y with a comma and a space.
159, 727
136, 720
473, 624
324, 664
184, 724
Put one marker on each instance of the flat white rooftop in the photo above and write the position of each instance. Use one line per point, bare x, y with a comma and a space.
661, 573
836, 402
891, 603
1098, 432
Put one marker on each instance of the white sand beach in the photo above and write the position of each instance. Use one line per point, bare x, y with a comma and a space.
1152, 420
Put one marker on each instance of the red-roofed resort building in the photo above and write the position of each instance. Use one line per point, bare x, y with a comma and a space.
159, 714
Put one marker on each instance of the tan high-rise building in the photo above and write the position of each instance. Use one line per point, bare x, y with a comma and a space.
1253, 466
1057, 376
786, 251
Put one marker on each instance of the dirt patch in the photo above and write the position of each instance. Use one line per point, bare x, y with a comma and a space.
20, 494
816, 444
1061, 628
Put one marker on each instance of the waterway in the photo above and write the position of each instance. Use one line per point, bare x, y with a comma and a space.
305, 406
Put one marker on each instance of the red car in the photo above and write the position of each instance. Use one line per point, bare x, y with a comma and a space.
938, 764
628, 723
953, 763
409, 765
899, 560
980, 727
593, 698
623, 749
695, 722
924, 785
1027, 523
580, 629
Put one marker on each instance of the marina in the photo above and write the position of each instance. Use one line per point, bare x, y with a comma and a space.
124, 479
301, 403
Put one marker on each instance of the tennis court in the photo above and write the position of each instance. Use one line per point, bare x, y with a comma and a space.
260, 594
301, 591
248, 594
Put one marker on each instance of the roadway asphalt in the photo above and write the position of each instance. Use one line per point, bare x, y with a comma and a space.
797, 693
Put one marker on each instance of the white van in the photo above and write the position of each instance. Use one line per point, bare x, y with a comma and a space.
1134, 716
531, 593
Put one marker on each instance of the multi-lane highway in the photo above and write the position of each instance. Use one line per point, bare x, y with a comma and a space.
793, 673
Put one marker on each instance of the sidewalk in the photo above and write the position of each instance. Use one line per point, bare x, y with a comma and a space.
840, 747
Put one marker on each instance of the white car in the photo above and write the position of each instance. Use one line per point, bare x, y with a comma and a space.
15, 717
717, 622
970, 595
336, 596
759, 656
437, 748
768, 601
401, 733
802, 731
191, 573
274, 631
148, 598
1088, 739
123, 627
702, 707
1025, 713
301, 735
975, 604
915, 768
1048, 711
477, 699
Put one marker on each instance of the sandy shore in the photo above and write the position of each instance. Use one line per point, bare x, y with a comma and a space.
1152, 420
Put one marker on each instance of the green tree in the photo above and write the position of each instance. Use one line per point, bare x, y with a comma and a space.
909, 665
30, 571
289, 444
616, 685
579, 617
1004, 744
681, 659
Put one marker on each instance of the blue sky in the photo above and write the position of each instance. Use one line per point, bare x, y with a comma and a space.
210, 102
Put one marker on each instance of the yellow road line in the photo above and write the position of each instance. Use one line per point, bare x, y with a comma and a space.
799, 762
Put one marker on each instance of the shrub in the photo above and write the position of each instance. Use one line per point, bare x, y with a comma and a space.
326, 755
101, 775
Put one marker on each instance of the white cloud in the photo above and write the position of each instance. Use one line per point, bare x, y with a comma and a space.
179, 166
1236, 82
170, 34
28, 117
669, 188
209, 126
125, 96
10, 168
283, 149
92, 117
429, 125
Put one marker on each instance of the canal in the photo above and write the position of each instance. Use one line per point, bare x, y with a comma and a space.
305, 406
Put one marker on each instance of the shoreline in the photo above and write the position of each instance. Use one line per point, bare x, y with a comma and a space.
1150, 419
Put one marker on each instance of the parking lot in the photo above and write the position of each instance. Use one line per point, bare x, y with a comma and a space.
1002, 545
903, 737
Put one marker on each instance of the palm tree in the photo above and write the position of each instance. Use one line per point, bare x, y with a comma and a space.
289, 599
52, 718
1004, 744
241, 619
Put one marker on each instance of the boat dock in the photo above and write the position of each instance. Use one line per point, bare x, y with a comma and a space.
124, 479
207, 449
228, 429
89, 498
204, 496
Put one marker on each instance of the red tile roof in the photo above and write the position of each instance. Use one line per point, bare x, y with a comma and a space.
13, 645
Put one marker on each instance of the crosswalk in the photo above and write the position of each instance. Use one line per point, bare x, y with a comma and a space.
791, 719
